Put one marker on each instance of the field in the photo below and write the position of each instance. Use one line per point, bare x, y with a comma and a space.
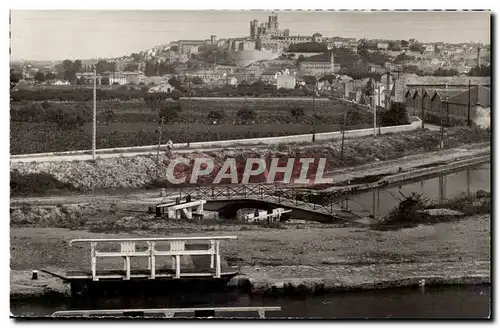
134, 123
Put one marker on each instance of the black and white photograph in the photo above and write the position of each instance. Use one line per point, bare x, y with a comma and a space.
250, 164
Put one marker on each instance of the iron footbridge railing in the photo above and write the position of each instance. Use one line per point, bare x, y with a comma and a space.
287, 196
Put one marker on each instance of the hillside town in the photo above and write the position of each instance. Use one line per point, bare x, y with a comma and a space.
277, 57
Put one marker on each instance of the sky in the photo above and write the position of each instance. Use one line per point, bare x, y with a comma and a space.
83, 34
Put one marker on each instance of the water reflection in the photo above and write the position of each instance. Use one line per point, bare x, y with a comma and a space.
381, 201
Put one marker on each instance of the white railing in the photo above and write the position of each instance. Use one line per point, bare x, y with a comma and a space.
169, 313
176, 250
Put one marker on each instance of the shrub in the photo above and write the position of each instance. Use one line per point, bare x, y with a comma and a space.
176, 95
215, 116
246, 115
406, 214
297, 113
396, 115
170, 111
36, 183
67, 120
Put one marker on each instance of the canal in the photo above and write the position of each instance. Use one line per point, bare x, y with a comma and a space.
460, 301
381, 201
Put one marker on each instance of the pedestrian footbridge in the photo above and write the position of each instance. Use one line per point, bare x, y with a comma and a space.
227, 200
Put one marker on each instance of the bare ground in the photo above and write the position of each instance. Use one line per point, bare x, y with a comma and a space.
311, 244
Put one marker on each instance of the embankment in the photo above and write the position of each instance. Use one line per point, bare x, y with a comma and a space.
144, 171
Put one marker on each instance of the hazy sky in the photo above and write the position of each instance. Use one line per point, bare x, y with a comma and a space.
55, 35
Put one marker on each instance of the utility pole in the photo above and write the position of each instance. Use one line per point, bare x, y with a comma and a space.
342, 144
423, 111
374, 113
378, 114
189, 113
468, 108
94, 119
314, 115
159, 142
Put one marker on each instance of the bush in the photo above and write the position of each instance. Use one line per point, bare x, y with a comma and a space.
215, 116
297, 113
397, 115
170, 111
406, 214
246, 115
67, 120
176, 95
36, 183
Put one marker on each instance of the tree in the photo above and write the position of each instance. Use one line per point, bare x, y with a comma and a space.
176, 95
39, 77
68, 70
300, 59
362, 47
246, 115
417, 47
445, 72
197, 80
297, 113
394, 46
404, 44
484, 70
135, 56
14, 78
170, 111
215, 116
109, 114
77, 66
308, 47
396, 115
368, 89
105, 81
131, 67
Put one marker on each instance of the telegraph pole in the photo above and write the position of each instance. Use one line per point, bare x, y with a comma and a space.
95, 119
342, 145
189, 112
468, 108
423, 110
159, 142
374, 114
314, 115
378, 114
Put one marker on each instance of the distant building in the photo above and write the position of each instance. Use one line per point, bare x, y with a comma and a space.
285, 81
118, 78
163, 87
60, 82
247, 45
382, 45
319, 69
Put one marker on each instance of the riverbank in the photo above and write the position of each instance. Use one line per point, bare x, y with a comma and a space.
297, 257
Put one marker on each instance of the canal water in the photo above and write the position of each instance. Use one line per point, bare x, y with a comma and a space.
381, 201
465, 301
